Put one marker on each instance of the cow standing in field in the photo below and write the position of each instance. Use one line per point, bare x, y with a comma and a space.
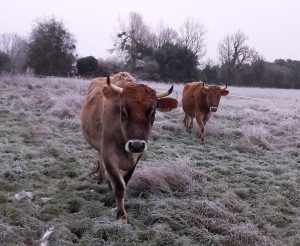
117, 118
199, 100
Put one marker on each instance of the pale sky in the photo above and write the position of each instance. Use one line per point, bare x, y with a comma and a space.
273, 26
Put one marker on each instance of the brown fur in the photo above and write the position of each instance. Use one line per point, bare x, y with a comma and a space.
104, 128
197, 100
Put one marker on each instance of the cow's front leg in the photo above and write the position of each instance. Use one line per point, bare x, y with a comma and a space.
200, 123
206, 118
128, 175
119, 190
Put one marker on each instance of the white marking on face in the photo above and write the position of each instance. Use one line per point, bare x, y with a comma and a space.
213, 109
131, 143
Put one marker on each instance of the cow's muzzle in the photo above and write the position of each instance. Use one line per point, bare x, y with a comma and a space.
213, 109
136, 146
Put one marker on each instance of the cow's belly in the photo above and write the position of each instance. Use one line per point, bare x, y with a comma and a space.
188, 109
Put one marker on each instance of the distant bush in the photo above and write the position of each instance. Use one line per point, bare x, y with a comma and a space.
91, 67
4, 62
150, 70
87, 66
280, 74
109, 66
176, 63
51, 48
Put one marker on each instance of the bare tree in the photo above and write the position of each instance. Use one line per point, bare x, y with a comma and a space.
166, 35
16, 48
134, 40
191, 36
234, 51
6, 41
233, 54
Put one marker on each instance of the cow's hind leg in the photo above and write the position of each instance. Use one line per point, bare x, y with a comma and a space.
199, 119
187, 122
191, 124
99, 170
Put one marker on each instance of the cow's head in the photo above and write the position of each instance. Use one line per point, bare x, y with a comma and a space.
138, 104
213, 94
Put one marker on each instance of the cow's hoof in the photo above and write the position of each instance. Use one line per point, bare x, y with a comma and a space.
122, 218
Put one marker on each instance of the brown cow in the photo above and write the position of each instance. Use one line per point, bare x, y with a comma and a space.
117, 118
199, 100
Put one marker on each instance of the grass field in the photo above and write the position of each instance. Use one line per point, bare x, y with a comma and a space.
241, 188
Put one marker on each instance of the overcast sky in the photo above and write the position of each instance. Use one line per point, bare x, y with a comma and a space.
273, 26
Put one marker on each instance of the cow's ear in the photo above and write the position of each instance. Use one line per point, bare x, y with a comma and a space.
109, 93
224, 92
166, 104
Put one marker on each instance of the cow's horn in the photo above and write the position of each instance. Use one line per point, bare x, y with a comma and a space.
164, 93
115, 88
225, 86
205, 86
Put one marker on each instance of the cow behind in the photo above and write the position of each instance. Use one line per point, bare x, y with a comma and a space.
199, 100
117, 118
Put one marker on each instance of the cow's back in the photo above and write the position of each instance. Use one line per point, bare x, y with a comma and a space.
188, 97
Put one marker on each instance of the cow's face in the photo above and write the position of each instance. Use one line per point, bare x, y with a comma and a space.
137, 114
213, 95
138, 104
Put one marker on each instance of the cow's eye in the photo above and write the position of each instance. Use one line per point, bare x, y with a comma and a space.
124, 113
150, 112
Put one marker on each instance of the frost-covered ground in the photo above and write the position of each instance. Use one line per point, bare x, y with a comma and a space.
241, 188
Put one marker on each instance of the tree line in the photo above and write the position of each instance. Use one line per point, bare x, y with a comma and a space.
160, 54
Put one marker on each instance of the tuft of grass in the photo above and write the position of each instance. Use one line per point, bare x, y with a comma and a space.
167, 177
116, 233
3, 197
5, 186
245, 235
62, 235
50, 212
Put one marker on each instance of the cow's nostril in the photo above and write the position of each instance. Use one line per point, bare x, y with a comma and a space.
136, 146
